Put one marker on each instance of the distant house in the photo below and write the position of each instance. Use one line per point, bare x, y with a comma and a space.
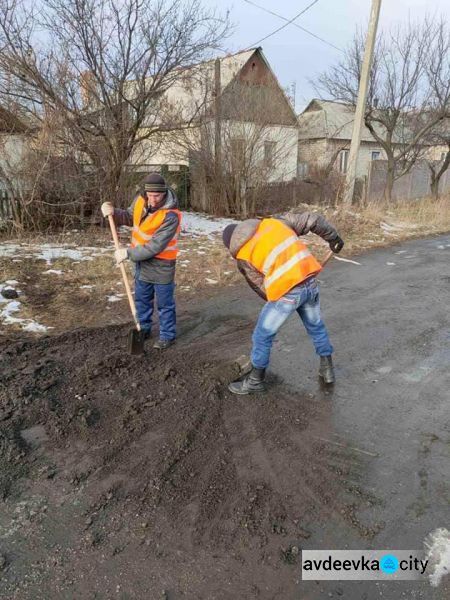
14, 134
250, 94
325, 133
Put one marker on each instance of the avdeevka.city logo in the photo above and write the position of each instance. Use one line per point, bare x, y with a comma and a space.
363, 564
389, 564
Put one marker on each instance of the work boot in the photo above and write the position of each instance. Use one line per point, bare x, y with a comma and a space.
163, 344
250, 384
326, 370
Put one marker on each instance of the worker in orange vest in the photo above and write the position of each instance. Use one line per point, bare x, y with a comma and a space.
282, 270
156, 223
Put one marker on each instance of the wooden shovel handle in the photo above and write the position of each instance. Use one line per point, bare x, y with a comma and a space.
124, 273
327, 257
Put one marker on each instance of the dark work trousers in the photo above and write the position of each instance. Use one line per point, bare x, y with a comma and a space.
144, 295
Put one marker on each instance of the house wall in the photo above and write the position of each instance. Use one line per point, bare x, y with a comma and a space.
174, 148
12, 150
435, 152
322, 151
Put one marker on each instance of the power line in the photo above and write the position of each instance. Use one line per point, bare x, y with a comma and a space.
285, 25
291, 22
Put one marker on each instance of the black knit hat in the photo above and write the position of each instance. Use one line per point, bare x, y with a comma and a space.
154, 182
227, 233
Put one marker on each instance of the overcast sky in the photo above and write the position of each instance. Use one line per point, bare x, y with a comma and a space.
296, 56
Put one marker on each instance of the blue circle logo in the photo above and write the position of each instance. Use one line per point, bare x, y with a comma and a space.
389, 564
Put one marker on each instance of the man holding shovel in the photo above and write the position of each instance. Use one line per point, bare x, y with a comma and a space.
156, 223
281, 269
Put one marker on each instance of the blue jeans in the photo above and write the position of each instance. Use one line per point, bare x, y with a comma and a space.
304, 299
144, 294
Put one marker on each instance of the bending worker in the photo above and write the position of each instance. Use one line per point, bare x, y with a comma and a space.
281, 269
156, 223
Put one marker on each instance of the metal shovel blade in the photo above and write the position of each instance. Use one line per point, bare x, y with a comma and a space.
135, 341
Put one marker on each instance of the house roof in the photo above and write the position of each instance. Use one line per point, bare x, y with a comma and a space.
191, 90
329, 119
196, 84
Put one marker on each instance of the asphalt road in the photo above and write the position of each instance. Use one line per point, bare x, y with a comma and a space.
388, 319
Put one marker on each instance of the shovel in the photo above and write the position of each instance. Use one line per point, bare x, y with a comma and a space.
136, 340
327, 258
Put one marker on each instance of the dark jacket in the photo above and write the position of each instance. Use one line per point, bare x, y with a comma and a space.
148, 268
301, 224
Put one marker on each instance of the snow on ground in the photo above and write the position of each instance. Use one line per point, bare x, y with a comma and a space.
437, 547
115, 297
49, 252
53, 272
201, 224
13, 306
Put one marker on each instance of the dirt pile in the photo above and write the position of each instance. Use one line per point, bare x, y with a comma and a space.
142, 477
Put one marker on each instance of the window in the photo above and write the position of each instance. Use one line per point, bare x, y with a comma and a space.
302, 170
269, 153
376, 154
343, 161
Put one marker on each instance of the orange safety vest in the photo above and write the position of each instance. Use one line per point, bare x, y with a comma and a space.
276, 252
142, 232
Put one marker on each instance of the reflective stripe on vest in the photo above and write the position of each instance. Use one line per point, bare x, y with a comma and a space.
143, 232
277, 253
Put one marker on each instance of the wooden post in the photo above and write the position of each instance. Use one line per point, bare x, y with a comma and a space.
361, 103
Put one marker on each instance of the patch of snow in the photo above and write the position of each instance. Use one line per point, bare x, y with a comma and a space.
12, 282
35, 327
13, 306
86, 287
441, 247
115, 297
202, 224
53, 271
50, 252
402, 252
9, 249
437, 548
390, 264
211, 281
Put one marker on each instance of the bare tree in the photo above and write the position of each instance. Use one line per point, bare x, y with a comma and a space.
100, 70
409, 89
439, 138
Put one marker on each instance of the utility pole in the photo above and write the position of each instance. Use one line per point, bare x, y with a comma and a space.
361, 103
218, 133
218, 118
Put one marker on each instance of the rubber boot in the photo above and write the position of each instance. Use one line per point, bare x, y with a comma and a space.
326, 370
252, 383
163, 344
